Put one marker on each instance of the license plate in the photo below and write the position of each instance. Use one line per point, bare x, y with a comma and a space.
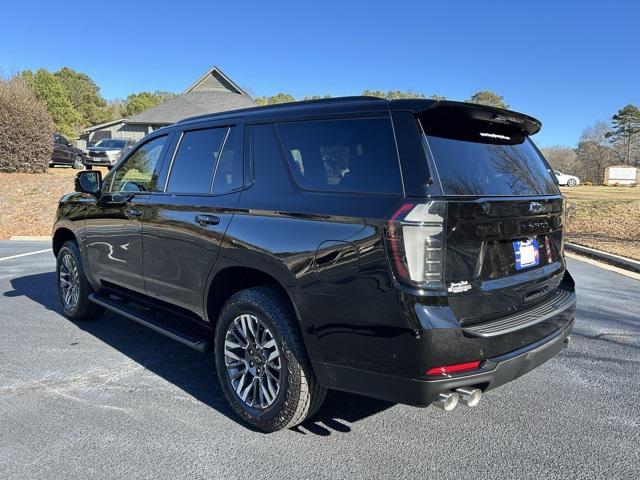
527, 253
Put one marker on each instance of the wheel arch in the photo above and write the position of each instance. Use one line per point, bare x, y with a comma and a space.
232, 278
61, 236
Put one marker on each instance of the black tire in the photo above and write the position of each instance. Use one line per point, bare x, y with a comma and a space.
77, 163
83, 308
571, 182
299, 394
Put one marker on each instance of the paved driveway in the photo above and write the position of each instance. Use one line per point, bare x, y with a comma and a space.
111, 399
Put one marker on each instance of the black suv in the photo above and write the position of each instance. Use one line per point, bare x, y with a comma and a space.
64, 153
409, 250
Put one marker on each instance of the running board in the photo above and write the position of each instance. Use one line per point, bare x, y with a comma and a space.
195, 341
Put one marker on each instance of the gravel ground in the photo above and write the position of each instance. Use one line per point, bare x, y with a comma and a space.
109, 398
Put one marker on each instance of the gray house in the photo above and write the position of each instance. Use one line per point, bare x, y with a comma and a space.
211, 93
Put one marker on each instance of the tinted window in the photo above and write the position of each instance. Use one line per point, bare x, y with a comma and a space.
355, 155
475, 168
115, 144
136, 174
230, 172
195, 161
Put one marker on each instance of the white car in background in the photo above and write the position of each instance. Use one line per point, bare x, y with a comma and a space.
568, 180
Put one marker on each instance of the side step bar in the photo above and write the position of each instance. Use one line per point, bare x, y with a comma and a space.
165, 328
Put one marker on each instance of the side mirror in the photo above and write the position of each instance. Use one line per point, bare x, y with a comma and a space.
89, 181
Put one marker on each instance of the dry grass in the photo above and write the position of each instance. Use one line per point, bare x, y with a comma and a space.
606, 218
28, 201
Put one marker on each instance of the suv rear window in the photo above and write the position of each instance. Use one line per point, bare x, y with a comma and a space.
347, 155
499, 167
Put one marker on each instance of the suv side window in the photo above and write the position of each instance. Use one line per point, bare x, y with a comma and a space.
195, 160
229, 174
138, 172
345, 155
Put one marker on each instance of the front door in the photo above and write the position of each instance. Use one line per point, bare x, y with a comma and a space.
113, 229
185, 224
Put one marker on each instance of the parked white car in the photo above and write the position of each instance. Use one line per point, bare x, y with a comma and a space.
568, 180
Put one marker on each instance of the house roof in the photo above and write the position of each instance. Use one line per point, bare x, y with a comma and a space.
102, 125
217, 75
213, 92
191, 104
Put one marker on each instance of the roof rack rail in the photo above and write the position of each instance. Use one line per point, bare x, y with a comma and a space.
275, 106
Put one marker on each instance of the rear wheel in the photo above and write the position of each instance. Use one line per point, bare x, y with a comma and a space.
571, 182
73, 287
261, 362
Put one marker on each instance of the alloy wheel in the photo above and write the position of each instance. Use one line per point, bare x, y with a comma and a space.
69, 281
253, 361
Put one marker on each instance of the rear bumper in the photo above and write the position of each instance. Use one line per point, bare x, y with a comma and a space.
494, 372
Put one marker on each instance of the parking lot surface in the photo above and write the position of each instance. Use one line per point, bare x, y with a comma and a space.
111, 399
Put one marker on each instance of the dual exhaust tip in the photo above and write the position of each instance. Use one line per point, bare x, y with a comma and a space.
468, 395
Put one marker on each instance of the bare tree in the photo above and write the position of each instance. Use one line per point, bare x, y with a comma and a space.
595, 153
561, 158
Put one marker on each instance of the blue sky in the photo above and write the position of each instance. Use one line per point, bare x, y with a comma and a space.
569, 63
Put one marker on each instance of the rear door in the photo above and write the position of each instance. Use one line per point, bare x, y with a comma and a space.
186, 221
504, 217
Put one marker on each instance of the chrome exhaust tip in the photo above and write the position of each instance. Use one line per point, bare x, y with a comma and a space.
469, 396
447, 401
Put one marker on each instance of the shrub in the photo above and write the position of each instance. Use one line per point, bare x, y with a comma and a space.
587, 184
26, 129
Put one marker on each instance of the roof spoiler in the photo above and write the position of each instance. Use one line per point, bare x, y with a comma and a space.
445, 115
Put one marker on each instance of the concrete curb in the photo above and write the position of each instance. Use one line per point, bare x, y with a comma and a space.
30, 238
623, 262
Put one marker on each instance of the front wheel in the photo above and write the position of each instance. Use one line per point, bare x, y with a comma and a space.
261, 361
572, 182
73, 286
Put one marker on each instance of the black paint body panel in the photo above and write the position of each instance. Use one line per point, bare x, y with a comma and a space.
327, 251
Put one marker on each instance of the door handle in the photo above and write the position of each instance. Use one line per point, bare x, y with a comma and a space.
133, 212
204, 220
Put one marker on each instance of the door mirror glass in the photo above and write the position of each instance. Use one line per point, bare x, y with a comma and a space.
89, 181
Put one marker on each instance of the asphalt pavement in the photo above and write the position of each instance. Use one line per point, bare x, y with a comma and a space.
111, 399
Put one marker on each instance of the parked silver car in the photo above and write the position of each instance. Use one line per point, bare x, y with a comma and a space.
108, 151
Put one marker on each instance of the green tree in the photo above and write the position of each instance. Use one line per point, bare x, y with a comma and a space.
487, 97
392, 94
277, 98
316, 97
84, 95
50, 90
626, 131
139, 102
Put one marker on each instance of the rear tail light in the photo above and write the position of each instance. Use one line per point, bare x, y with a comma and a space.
451, 369
415, 242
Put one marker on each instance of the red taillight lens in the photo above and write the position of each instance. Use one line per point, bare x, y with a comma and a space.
415, 241
451, 369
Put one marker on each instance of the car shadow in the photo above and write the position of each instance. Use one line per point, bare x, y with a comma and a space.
189, 370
